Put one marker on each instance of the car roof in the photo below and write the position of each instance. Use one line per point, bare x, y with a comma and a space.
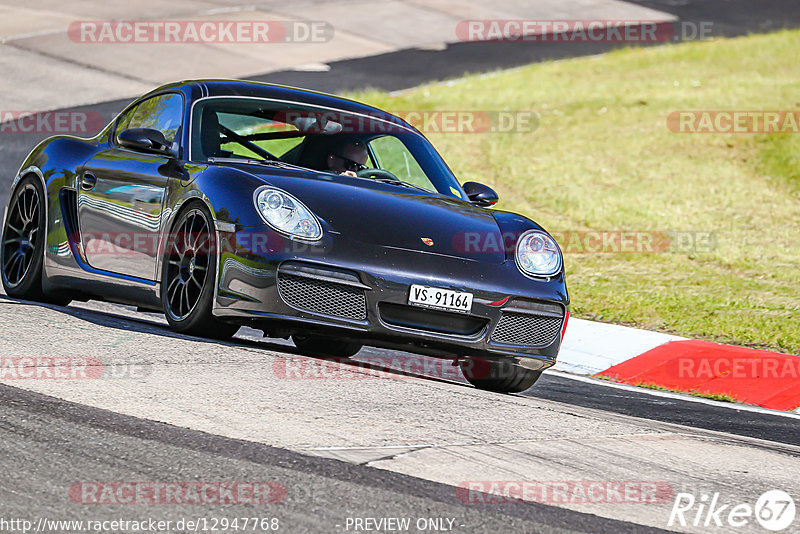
196, 89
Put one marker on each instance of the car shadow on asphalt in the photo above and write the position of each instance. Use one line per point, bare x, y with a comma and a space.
127, 323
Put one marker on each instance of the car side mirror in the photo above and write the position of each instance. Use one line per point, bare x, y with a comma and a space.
479, 194
145, 140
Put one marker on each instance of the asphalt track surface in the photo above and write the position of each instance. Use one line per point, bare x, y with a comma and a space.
49, 442
391, 445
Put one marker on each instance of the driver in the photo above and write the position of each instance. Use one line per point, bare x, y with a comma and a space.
347, 157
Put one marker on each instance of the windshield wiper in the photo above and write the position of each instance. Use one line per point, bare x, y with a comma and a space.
249, 161
264, 162
400, 182
284, 165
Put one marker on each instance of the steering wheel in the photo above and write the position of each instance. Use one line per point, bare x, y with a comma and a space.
377, 174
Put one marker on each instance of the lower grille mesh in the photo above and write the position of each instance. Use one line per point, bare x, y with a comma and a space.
321, 296
526, 329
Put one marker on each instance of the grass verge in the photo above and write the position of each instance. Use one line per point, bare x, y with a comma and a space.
603, 160
721, 397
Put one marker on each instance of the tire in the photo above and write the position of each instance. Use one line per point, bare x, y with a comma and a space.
188, 276
23, 242
325, 346
500, 376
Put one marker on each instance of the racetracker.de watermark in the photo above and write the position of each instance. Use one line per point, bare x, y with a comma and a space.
369, 367
582, 31
734, 121
464, 242
67, 122
199, 31
391, 367
457, 121
173, 493
595, 242
564, 491
152, 243
68, 368
762, 367
471, 122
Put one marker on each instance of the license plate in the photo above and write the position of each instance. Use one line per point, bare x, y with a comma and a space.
442, 299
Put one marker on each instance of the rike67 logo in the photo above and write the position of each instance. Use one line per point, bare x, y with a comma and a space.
774, 510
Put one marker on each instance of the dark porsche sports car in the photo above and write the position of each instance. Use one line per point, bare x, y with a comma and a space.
228, 203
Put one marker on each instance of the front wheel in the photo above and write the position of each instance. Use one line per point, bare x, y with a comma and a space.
22, 251
500, 376
325, 346
189, 274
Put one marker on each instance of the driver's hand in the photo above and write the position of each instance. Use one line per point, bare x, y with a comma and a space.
349, 173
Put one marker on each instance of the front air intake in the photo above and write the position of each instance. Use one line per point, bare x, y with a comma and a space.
317, 290
527, 329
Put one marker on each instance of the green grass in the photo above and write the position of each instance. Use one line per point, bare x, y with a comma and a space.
721, 397
603, 159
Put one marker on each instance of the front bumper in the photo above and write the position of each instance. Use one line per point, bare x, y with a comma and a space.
359, 291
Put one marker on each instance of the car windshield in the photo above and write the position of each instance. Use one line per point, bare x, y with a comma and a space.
332, 141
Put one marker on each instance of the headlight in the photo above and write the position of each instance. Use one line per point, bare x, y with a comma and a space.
287, 214
537, 254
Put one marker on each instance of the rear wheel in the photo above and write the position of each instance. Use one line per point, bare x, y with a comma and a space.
189, 275
22, 251
501, 376
325, 346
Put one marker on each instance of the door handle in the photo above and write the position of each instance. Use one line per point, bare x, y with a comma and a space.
88, 181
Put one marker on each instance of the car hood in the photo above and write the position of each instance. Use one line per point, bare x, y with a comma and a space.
399, 217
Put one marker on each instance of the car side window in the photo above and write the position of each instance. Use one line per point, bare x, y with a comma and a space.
163, 113
392, 155
124, 120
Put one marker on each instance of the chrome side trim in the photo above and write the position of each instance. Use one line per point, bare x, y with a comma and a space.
223, 226
89, 269
233, 263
